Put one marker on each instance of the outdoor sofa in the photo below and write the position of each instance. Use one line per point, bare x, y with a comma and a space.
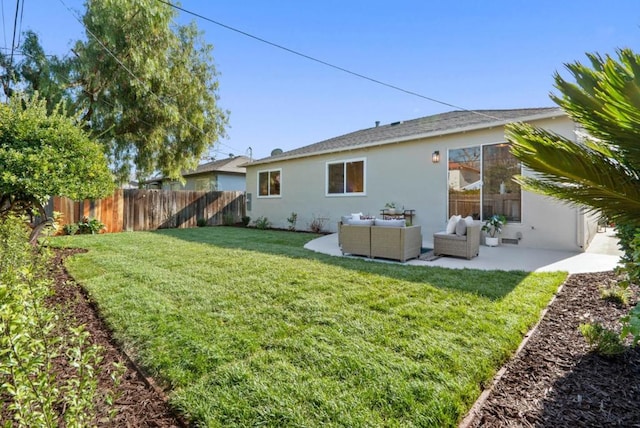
389, 239
461, 239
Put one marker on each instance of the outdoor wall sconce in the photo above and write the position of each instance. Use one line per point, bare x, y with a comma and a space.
435, 157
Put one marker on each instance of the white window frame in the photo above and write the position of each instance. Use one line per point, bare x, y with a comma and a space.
268, 195
345, 193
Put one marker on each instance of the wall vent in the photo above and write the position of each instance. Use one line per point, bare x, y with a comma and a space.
510, 241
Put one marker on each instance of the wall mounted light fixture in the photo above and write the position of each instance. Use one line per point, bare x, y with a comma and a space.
435, 157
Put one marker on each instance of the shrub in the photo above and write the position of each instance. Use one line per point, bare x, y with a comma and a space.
246, 220
262, 223
603, 340
90, 226
616, 292
228, 219
317, 224
71, 228
631, 325
33, 338
292, 220
201, 222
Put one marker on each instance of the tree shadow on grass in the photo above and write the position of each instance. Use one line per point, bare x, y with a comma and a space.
493, 285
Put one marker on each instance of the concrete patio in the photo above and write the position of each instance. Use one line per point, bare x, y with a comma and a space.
601, 255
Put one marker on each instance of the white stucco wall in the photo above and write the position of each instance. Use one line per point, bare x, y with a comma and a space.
404, 173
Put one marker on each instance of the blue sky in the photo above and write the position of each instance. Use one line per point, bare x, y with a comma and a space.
472, 54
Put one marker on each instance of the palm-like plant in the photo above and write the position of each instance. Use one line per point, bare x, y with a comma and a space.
602, 170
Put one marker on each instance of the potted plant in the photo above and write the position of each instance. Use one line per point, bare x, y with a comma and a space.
493, 227
390, 207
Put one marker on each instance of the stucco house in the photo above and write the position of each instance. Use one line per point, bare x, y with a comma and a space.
226, 174
451, 163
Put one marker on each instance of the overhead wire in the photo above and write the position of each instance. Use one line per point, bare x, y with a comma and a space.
325, 63
4, 26
20, 26
133, 75
15, 28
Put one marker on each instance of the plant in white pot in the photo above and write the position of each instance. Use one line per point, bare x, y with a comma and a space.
390, 207
493, 227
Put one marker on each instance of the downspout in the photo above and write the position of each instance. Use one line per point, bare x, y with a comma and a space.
580, 228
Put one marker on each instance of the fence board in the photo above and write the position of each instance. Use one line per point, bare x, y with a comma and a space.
138, 209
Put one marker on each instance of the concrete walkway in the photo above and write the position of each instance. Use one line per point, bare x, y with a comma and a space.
602, 255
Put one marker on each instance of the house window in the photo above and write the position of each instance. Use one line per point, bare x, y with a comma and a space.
269, 183
481, 182
346, 177
207, 184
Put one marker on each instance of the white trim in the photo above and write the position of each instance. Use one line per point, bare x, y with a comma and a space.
269, 196
345, 193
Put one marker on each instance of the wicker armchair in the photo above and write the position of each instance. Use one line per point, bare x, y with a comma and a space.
450, 244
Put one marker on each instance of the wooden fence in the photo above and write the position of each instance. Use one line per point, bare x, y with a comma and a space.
134, 210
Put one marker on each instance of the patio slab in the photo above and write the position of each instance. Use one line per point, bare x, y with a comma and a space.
602, 255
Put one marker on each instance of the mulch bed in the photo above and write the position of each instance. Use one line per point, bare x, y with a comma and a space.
139, 402
554, 381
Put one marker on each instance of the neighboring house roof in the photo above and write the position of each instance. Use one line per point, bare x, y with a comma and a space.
228, 165
424, 127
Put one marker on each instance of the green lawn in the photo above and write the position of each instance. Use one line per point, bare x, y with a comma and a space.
246, 328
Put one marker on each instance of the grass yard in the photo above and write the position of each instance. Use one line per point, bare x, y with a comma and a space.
245, 327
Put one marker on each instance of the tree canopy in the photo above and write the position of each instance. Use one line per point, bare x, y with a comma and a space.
602, 169
145, 87
43, 155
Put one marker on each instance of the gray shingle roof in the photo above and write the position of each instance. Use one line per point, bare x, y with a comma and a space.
445, 123
230, 164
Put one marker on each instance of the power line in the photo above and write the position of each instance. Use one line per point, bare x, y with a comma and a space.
15, 27
325, 63
133, 75
20, 27
4, 27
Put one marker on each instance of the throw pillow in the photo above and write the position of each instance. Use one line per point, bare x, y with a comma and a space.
461, 227
356, 216
451, 224
469, 220
390, 223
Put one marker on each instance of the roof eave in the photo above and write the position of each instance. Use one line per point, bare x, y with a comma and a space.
432, 134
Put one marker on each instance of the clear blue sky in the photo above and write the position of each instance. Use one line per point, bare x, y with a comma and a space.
476, 55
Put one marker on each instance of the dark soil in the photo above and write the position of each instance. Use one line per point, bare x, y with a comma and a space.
139, 402
554, 381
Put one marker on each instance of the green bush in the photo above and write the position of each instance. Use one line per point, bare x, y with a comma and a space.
292, 220
202, 222
246, 220
71, 228
90, 226
616, 292
33, 337
228, 220
604, 341
262, 223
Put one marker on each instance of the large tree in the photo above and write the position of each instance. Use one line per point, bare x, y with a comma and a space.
45, 154
145, 86
602, 170
148, 87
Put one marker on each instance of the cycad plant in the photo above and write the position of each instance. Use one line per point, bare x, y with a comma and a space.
602, 170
